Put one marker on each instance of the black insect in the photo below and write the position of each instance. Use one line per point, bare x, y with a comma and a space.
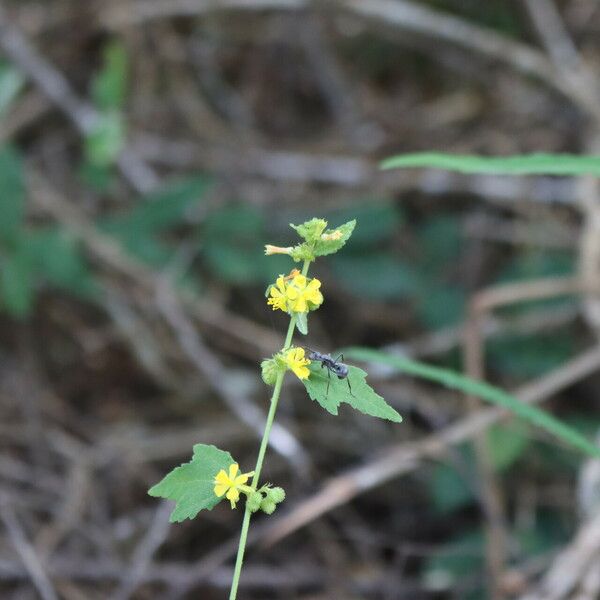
332, 365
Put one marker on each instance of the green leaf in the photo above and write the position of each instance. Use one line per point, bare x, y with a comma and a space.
191, 485
311, 230
458, 558
12, 194
11, 83
507, 443
377, 276
105, 142
239, 220
17, 283
109, 86
330, 392
302, 323
162, 209
235, 264
481, 390
441, 305
59, 261
526, 164
229, 245
448, 489
440, 240
531, 355
333, 239
379, 221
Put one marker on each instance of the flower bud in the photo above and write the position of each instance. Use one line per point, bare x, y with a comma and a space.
267, 506
270, 250
269, 370
276, 494
254, 501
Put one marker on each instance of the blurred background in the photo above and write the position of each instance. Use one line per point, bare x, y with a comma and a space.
149, 149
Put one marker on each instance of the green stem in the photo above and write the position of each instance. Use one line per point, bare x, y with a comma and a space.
261, 456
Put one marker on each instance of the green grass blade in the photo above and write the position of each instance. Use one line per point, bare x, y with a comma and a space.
526, 164
482, 390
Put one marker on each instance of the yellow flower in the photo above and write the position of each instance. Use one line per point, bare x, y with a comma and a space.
296, 361
278, 292
295, 293
304, 296
231, 484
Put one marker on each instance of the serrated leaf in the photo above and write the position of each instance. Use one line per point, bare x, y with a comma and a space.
481, 390
330, 392
333, 239
191, 485
379, 220
525, 164
310, 230
302, 323
12, 196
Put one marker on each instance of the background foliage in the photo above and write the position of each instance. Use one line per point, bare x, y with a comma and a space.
128, 339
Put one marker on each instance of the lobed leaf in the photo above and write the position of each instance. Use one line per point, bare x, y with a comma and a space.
332, 240
310, 230
330, 392
191, 485
525, 164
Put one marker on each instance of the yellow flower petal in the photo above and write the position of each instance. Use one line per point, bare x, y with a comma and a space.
296, 362
300, 304
299, 281
220, 489
222, 477
233, 471
233, 495
281, 284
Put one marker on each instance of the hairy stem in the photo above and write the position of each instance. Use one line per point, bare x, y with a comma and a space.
261, 456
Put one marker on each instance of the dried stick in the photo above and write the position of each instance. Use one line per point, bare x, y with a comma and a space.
571, 565
400, 14
145, 550
26, 552
473, 350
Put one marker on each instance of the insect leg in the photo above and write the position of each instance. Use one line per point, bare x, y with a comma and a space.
350, 387
328, 382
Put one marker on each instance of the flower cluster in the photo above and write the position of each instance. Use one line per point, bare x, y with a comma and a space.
292, 359
231, 484
295, 294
